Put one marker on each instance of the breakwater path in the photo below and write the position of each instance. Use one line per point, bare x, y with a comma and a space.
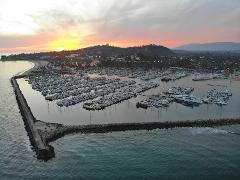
43, 150
59, 130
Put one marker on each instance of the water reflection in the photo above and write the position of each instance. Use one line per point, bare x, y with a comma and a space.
10, 68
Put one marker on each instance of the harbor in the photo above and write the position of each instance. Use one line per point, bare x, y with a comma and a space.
100, 87
182, 95
42, 133
106, 95
81, 85
102, 94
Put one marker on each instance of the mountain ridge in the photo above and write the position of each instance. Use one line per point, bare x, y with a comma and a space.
212, 46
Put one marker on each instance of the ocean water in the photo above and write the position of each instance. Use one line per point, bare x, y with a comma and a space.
180, 153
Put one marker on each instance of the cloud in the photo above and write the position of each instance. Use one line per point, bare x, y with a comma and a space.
125, 22
13, 41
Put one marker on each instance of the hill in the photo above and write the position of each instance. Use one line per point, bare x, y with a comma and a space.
99, 50
148, 50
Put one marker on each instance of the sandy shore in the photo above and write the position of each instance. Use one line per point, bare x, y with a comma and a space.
37, 64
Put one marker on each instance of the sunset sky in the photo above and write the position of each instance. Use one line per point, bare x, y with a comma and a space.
41, 25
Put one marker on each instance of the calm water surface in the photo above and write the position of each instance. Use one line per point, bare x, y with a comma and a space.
181, 153
126, 111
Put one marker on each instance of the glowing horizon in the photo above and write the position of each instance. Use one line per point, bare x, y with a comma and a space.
31, 25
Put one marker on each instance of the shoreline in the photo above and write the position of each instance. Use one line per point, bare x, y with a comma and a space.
36, 65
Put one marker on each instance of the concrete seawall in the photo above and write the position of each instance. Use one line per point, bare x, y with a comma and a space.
43, 150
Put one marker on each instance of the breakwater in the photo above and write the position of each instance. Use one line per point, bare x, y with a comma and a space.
43, 150
61, 130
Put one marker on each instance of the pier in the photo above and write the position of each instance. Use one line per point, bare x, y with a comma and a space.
43, 150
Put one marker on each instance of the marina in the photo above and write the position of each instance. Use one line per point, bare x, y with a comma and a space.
182, 95
78, 86
97, 93
41, 133
88, 96
101, 91
208, 76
